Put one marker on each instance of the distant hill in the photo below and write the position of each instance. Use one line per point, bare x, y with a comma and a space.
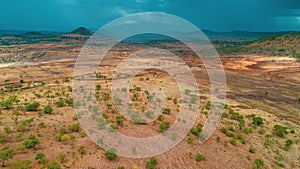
241, 35
280, 45
32, 33
81, 31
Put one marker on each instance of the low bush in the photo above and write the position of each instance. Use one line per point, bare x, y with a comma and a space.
111, 154
200, 157
32, 107
152, 163
280, 131
164, 126
48, 110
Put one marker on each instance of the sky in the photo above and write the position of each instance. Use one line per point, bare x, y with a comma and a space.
214, 15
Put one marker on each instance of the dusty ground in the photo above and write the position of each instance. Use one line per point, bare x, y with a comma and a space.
265, 86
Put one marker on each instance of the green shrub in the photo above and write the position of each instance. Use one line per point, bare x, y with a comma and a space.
166, 111
6, 104
252, 150
53, 165
164, 126
31, 142
48, 110
233, 141
5, 154
119, 120
247, 130
289, 143
81, 149
40, 157
74, 127
60, 103
280, 131
32, 107
200, 157
190, 139
257, 121
258, 164
111, 154
152, 163
98, 87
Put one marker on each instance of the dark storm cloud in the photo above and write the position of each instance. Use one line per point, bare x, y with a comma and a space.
219, 15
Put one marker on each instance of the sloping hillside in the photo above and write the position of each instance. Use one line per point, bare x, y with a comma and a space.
283, 45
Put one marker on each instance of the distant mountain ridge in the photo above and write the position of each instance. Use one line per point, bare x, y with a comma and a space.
82, 31
242, 35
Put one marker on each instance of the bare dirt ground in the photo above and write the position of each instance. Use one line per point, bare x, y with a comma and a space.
264, 86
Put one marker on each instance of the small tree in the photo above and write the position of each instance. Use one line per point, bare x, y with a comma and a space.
53, 165
15, 116
60, 103
111, 154
5, 154
6, 104
32, 107
81, 149
280, 131
258, 164
152, 163
31, 142
40, 157
74, 127
119, 120
48, 110
252, 150
257, 121
200, 157
164, 126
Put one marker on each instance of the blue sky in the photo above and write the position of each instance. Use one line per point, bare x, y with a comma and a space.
216, 15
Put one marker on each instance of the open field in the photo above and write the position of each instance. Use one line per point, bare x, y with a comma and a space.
263, 92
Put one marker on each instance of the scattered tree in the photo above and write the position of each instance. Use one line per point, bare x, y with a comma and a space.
152, 163
111, 154
81, 149
31, 142
40, 157
258, 164
48, 110
53, 165
5, 154
200, 157
164, 126
252, 150
280, 131
74, 127
257, 121
32, 107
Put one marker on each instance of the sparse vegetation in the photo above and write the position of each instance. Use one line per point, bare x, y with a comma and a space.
164, 126
152, 163
31, 142
48, 110
6, 154
280, 131
32, 107
200, 157
111, 154
257, 121
258, 164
